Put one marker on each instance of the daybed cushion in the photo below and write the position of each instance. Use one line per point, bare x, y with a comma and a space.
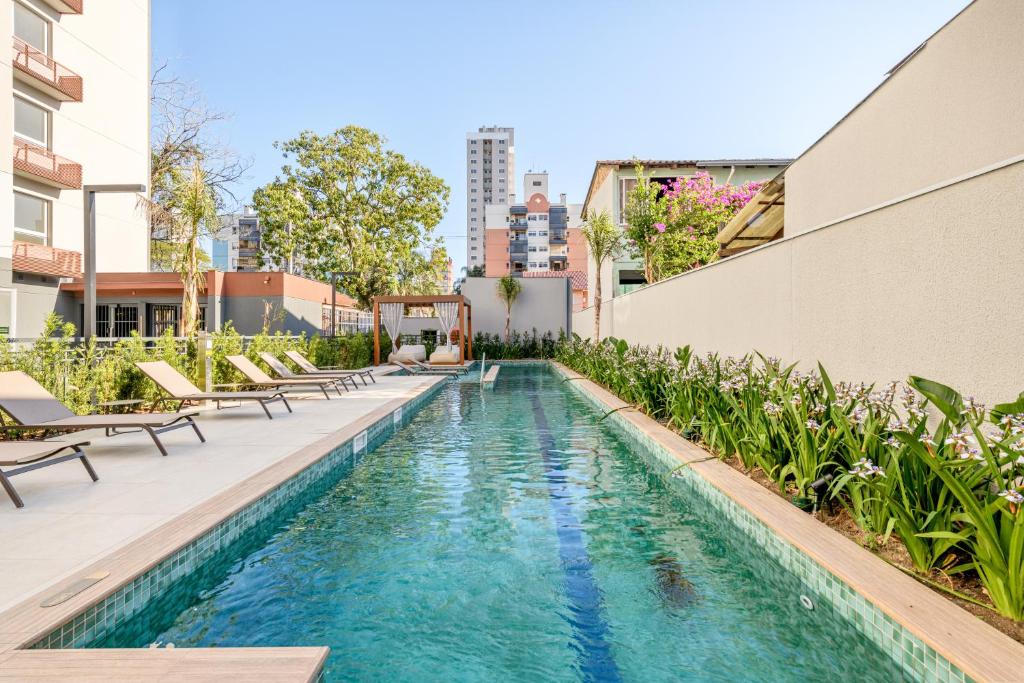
444, 355
414, 351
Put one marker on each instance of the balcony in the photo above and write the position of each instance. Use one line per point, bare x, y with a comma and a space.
42, 165
558, 258
66, 6
43, 260
556, 237
39, 71
517, 225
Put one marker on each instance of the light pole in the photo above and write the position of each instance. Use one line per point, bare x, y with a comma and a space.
89, 193
334, 291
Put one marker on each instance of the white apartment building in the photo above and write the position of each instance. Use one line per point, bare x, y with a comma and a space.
490, 179
236, 247
76, 88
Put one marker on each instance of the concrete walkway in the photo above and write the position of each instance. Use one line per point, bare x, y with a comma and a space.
69, 521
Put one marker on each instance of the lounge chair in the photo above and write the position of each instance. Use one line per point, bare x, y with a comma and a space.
259, 378
178, 388
26, 456
451, 369
310, 369
33, 407
414, 370
285, 372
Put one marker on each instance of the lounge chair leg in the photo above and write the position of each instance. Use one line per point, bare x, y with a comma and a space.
9, 488
86, 464
284, 399
362, 377
338, 389
202, 439
374, 379
156, 440
323, 388
263, 404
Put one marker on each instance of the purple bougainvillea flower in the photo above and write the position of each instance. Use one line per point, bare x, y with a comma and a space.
660, 227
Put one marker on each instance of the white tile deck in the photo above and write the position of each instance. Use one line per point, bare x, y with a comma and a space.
69, 521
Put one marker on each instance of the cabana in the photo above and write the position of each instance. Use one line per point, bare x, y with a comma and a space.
454, 311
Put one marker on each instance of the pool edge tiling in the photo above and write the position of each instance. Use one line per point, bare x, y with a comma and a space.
931, 638
141, 568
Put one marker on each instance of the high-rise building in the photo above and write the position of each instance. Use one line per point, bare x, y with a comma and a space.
490, 179
534, 235
77, 93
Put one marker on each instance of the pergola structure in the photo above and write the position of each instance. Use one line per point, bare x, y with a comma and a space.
465, 318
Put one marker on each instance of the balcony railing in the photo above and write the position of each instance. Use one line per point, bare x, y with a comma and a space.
43, 260
66, 6
557, 237
517, 225
46, 74
44, 166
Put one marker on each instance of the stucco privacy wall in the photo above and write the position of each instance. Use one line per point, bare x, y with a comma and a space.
929, 286
956, 106
545, 304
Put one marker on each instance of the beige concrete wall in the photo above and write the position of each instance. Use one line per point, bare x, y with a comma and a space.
957, 106
545, 304
928, 286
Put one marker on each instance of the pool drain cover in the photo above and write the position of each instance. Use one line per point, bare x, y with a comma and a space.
74, 589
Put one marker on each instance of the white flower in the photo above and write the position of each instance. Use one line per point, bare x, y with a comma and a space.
812, 425
865, 469
772, 408
1012, 495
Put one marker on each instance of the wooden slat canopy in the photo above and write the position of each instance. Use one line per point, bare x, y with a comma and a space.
759, 222
465, 318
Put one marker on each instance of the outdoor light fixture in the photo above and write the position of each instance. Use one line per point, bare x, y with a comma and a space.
89, 193
820, 488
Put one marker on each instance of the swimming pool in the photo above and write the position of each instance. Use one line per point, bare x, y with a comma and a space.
509, 534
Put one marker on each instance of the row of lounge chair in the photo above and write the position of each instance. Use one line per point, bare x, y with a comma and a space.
32, 407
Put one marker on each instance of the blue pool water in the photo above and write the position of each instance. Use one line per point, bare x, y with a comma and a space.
509, 534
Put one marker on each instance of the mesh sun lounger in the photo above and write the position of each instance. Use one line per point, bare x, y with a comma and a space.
25, 456
453, 369
310, 369
413, 370
259, 378
33, 407
285, 373
178, 388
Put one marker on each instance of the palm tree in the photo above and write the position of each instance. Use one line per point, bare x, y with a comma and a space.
193, 210
508, 291
603, 240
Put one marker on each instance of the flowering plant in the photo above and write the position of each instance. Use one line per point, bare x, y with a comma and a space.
672, 226
696, 209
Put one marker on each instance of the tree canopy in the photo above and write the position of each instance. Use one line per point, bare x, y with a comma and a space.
344, 202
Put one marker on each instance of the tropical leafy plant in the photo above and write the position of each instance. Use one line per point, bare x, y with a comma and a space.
508, 289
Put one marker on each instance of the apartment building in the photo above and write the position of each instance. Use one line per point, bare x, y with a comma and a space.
534, 235
490, 179
236, 247
76, 88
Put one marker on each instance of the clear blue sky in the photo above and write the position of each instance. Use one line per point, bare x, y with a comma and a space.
579, 80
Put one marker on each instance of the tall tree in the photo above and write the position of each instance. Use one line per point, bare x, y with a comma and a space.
645, 212
192, 213
359, 207
603, 241
182, 132
508, 289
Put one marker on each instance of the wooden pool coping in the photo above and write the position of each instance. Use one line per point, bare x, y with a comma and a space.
979, 650
27, 622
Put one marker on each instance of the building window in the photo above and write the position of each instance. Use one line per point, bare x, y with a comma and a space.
164, 317
473, 248
31, 122
536, 183
119, 322
531, 248
31, 218
472, 151
31, 27
542, 233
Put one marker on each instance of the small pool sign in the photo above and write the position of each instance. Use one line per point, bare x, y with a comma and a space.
397, 416
359, 443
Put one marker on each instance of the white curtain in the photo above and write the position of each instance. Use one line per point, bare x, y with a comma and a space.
391, 315
448, 316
